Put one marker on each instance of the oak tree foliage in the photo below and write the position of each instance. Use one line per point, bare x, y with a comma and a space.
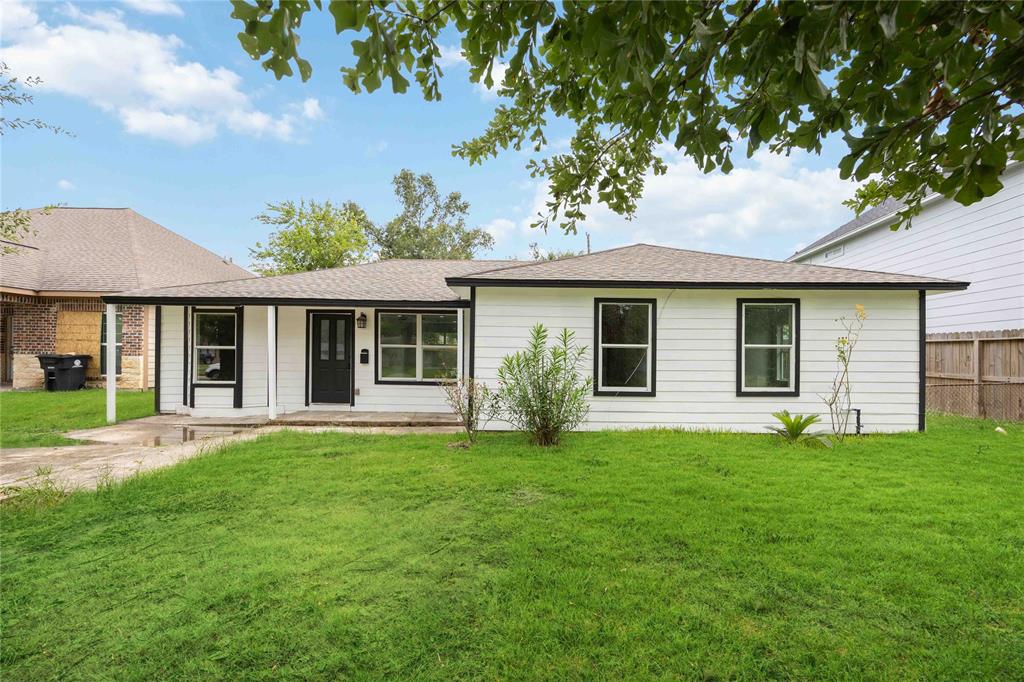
311, 236
927, 95
317, 235
429, 225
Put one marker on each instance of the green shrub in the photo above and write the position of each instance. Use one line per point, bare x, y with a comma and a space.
794, 428
541, 390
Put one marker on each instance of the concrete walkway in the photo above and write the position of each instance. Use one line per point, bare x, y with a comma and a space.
122, 450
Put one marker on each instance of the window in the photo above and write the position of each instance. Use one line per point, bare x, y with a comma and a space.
118, 321
834, 252
625, 334
417, 347
214, 347
768, 347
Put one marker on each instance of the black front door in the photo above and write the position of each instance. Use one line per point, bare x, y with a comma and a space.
331, 358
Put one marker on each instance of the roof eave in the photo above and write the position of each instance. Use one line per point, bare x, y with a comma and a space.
878, 222
144, 299
639, 284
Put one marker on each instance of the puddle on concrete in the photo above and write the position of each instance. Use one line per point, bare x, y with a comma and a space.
187, 434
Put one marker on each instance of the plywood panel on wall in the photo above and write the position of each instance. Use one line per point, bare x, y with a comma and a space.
79, 332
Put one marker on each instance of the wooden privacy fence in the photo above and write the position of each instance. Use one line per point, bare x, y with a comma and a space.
976, 374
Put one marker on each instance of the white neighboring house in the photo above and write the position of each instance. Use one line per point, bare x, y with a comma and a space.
982, 243
678, 338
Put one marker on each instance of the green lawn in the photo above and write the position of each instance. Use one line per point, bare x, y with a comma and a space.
36, 418
618, 555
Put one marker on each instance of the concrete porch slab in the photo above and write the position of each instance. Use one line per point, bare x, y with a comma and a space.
327, 418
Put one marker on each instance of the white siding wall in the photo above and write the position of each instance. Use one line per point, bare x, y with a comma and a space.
696, 354
291, 358
171, 357
982, 243
254, 357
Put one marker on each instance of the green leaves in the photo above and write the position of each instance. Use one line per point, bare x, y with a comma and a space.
311, 236
542, 390
430, 225
927, 95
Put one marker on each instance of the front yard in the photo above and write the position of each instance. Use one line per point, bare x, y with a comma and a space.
616, 555
38, 418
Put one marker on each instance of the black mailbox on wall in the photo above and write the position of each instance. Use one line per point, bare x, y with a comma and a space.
364, 357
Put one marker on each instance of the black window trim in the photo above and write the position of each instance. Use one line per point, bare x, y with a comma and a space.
746, 393
653, 355
195, 312
376, 344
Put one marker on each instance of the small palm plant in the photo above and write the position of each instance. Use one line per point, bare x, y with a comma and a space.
794, 428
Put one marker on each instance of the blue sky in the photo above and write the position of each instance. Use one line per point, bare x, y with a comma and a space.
173, 119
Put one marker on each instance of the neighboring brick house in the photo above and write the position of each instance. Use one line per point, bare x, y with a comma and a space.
51, 282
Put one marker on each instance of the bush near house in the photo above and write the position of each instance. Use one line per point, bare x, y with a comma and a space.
628, 555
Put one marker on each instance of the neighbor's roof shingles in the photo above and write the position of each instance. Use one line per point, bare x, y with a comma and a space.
661, 266
107, 250
886, 208
390, 280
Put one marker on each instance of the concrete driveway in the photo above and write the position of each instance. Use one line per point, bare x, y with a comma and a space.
118, 451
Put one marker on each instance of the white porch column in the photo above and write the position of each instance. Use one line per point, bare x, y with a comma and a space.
111, 363
460, 344
271, 362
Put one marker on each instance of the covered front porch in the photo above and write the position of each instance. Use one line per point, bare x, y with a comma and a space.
307, 365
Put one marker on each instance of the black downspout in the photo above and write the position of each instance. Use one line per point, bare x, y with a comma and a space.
156, 361
472, 332
921, 356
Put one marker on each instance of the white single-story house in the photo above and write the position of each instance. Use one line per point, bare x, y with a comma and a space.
678, 338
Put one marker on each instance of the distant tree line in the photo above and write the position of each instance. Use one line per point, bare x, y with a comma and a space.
313, 235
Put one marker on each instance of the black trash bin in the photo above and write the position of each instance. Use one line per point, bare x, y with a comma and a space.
63, 371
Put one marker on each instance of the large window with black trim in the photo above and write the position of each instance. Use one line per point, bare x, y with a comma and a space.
768, 347
625, 344
417, 347
215, 347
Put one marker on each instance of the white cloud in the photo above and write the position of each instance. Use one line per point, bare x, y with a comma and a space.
375, 148
65, 184
501, 228
164, 7
451, 55
178, 128
138, 76
16, 17
761, 209
498, 70
311, 109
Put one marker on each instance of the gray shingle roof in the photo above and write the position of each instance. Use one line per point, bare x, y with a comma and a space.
430, 281
107, 250
660, 266
421, 281
887, 207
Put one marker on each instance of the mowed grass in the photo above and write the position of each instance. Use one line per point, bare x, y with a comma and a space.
616, 555
38, 418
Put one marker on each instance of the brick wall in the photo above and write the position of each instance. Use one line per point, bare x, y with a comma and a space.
70, 325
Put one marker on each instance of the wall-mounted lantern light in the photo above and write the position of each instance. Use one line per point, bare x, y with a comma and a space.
361, 321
